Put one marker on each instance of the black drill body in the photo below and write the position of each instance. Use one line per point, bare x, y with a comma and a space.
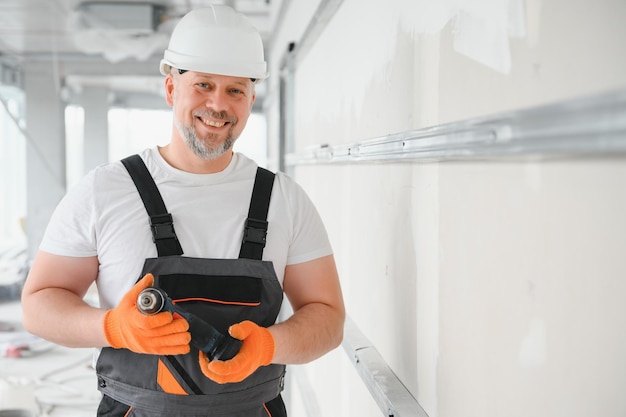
204, 337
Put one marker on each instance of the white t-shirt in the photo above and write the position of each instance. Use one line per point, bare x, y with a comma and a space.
104, 216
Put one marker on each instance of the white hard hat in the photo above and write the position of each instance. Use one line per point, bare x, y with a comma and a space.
216, 40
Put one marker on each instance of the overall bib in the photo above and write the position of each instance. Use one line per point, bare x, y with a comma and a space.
220, 291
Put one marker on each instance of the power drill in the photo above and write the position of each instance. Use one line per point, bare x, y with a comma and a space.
204, 337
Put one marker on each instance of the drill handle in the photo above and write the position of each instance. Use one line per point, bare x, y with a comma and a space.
209, 340
204, 337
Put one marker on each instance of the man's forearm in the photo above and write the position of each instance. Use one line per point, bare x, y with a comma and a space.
62, 317
312, 331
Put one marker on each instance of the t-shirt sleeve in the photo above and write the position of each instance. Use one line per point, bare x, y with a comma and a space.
70, 231
309, 237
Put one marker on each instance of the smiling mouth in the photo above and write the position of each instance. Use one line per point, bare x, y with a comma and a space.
213, 123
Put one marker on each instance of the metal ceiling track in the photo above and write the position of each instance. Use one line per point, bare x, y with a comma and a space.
594, 125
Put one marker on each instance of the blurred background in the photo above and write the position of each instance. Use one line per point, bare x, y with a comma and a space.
467, 157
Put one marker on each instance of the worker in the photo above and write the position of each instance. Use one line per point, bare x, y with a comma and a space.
221, 237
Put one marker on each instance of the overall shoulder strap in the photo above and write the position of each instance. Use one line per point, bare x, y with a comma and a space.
255, 231
161, 223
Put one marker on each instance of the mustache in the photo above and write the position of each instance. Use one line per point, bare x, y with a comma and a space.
209, 114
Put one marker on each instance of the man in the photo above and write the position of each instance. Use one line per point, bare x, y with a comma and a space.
231, 276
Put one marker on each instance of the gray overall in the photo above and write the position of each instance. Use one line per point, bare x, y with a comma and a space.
220, 291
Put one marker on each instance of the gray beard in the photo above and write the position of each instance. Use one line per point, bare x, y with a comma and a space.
199, 147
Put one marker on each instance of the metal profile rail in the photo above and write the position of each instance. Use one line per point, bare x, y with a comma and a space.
593, 125
392, 397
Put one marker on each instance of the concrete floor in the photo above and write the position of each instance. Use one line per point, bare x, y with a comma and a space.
47, 379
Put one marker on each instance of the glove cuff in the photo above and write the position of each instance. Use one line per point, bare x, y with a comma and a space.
112, 331
267, 346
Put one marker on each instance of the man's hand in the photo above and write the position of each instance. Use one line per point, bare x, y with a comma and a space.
160, 334
257, 350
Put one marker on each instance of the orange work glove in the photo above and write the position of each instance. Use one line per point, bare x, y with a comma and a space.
159, 334
257, 350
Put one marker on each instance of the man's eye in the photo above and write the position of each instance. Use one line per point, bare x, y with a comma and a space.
203, 85
236, 91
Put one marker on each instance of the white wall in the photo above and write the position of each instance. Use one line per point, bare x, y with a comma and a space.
494, 287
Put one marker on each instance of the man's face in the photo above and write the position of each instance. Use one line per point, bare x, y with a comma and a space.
210, 111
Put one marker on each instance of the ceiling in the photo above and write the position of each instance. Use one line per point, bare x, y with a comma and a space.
112, 43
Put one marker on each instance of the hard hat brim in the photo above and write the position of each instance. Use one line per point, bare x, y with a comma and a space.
233, 69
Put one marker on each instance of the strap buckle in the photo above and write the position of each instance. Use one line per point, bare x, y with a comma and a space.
255, 231
162, 227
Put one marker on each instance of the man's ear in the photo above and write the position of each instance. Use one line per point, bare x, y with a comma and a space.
169, 90
252, 101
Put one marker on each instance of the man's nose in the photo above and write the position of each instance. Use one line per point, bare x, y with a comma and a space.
218, 101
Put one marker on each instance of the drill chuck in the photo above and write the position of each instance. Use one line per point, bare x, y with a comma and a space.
203, 335
151, 301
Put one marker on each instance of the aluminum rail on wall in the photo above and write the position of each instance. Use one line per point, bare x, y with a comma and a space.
392, 397
588, 125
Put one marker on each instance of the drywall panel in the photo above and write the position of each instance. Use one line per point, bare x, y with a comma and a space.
372, 232
531, 288
379, 70
570, 49
491, 288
